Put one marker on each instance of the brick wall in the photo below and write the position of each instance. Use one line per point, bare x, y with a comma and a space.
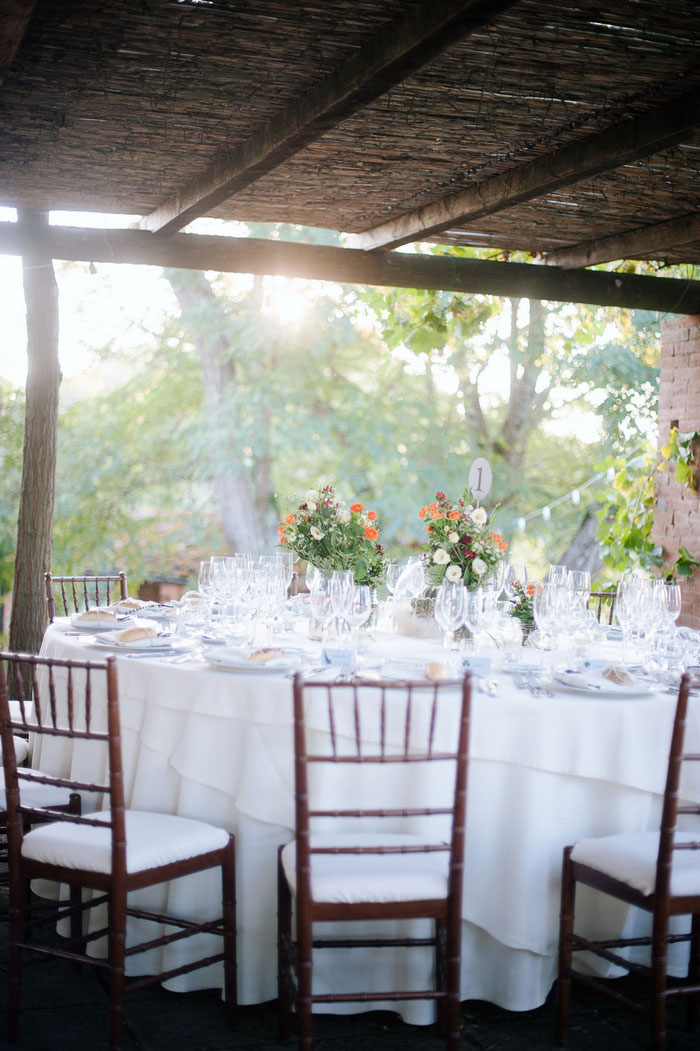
677, 509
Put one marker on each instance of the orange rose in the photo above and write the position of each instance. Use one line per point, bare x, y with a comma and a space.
435, 512
371, 533
281, 528
283, 540
423, 512
356, 507
502, 545
428, 529
290, 518
372, 516
454, 515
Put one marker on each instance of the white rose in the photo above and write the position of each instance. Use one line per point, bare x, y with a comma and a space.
479, 516
311, 496
311, 506
453, 573
317, 534
453, 537
479, 566
441, 558
344, 516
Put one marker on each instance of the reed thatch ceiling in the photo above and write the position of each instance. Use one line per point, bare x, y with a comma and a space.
569, 131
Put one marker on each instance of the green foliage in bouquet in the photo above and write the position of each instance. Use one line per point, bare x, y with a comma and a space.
460, 546
328, 535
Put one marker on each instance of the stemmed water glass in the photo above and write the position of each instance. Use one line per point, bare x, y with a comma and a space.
342, 583
411, 581
671, 604
356, 614
450, 604
513, 574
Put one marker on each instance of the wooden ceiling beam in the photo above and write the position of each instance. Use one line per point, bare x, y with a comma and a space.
392, 55
639, 243
351, 266
616, 145
14, 19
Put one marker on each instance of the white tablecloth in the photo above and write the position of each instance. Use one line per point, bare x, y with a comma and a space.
544, 771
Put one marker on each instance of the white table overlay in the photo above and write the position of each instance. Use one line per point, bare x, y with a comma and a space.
544, 771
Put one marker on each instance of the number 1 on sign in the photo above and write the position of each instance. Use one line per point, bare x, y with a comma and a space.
480, 478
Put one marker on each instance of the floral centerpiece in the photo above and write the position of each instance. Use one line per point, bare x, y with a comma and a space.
328, 535
460, 544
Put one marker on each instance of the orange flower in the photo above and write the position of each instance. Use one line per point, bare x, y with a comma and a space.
502, 545
356, 507
428, 529
281, 528
454, 515
530, 589
423, 512
435, 512
372, 516
290, 518
283, 540
371, 533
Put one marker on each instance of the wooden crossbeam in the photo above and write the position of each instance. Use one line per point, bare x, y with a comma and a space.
391, 56
616, 145
351, 266
14, 19
639, 243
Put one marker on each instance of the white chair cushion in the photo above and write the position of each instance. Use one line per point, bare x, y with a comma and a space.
631, 858
352, 878
151, 840
38, 795
21, 749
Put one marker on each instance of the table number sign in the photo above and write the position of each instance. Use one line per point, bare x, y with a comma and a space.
480, 478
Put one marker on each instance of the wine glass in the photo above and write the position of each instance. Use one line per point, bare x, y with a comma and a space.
358, 613
450, 610
393, 572
411, 581
320, 599
513, 574
558, 574
671, 604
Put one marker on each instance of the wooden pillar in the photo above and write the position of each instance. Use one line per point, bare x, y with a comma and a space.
677, 508
35, 523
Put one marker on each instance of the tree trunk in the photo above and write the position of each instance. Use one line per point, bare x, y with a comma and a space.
35, 523
244, 508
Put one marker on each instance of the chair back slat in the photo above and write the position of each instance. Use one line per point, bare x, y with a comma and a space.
72, 594
603, 604
668, 842
65, 704
384, 726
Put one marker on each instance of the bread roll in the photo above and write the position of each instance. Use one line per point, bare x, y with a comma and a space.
260, 656
127, 604
436, 671
618, 673
138, 633
97, 616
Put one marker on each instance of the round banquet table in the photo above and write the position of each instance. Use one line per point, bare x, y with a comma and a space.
544, 771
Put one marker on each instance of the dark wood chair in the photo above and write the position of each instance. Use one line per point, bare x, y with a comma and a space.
66, 595
408, 864
655, 871
603, 603
108, 853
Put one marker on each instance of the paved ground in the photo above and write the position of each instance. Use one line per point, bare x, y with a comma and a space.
65, 1010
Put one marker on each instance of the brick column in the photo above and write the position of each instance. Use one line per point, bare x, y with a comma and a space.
677, 509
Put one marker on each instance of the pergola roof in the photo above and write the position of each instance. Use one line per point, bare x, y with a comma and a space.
567, 131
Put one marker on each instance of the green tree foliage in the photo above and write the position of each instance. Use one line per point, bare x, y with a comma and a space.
11, 437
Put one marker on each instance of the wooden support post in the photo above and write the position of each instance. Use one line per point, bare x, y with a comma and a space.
35, 524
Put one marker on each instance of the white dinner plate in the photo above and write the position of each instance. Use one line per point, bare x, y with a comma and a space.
597, 686
93, 629
159, 644
237, 662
